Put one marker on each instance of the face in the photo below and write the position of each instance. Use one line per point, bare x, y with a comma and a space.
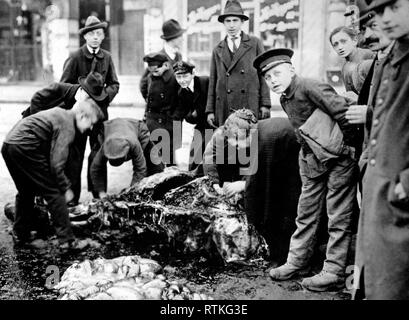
394, 19
85, 120
279, 78
375, 38
240, 140
343, 44
176, 43
158, 71
184, 79
94, 38
233, 25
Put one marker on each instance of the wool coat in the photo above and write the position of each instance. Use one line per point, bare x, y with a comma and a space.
382, 257
234, 82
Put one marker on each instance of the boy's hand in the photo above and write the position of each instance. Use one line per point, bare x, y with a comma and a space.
356, 114
264, 113
230, 189
210, 120
69, 195
219, 190
102, 195
194, 114
400, 192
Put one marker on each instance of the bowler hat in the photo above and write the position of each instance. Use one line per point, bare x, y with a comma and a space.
116, 150
157, 58
271, 58
232, 8
364, 14
183, 67
171, 29
92, 23
377, 5
93, 84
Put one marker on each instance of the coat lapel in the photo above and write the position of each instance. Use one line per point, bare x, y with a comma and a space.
224, 54
243, 48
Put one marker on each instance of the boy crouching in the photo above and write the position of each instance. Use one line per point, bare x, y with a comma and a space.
35, 152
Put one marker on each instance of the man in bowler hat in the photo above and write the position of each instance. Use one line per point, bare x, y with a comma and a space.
234, 83
90, 57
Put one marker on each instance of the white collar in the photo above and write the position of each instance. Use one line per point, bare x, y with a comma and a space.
237, 39
192, 85
91, 49
171, 52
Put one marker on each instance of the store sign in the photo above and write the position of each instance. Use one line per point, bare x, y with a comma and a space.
203, 11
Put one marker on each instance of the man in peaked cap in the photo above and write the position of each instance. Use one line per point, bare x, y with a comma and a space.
160, 91
91, 57
234, 83
192, 99
329, 185
124, 140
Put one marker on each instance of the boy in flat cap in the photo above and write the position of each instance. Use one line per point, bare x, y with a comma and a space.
36, 152
382, 259
162, 106
327, 184
91, 57
124, 139
234, 83
192, 99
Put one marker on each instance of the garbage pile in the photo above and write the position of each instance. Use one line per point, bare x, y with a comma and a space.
122, 278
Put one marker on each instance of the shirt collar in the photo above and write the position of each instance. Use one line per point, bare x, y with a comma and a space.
192, 85
237, 39
383, 53
289, 93
91, 50
171, 52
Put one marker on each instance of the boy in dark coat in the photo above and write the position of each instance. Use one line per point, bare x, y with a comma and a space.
234, 83
193, 98
162, 106
123, 140
90, 57
36, 152
330, 184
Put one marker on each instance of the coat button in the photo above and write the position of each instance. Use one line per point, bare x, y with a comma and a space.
227, 74
373, 142
372, 162
159, 120
376, 122
242, 71
243, 91
380, 101
229, 91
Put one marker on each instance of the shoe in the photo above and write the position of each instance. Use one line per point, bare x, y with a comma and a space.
74, 245
37, 244
10, 211
286, 272
324, 281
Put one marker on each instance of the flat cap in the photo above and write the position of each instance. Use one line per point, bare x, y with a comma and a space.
272, 58
377, 5
155, 57
183, 67
116, 149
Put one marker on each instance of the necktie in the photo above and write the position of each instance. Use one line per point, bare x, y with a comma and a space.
94, 60
233, 39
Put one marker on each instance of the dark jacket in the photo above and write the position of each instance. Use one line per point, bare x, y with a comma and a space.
55, 95
137, 135
235, 83
195, 101
52, 132
80, 64
383, 237
354, 70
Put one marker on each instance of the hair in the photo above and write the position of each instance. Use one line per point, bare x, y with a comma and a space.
349, 31
243, 119
90, 106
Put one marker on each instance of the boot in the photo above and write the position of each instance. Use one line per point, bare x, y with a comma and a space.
324, 281
286, 271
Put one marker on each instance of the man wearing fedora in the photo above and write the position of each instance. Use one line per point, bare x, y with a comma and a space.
234, 83
91, 57
382, 259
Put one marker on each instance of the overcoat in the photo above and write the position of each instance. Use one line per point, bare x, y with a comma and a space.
234, 82
382, 257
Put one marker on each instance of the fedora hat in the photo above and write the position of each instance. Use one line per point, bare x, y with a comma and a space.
232, 8
93, 84
92, 23
171, 29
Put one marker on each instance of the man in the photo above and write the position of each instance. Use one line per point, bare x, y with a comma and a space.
162, 106
326, 184
234, 83
90, 57
383, 238
192, 99
35, 152
123, 140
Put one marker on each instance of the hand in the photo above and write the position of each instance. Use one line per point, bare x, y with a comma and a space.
219, 190
102, 195
356, 114
194, 114
144, 117
210, 120
400, 192
232, 188
69, 195
264, 113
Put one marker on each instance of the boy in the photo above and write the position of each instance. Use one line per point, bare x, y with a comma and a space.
123, 140
90, 57
35, 152
331, 182
192, 98
162, 106
234, 83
